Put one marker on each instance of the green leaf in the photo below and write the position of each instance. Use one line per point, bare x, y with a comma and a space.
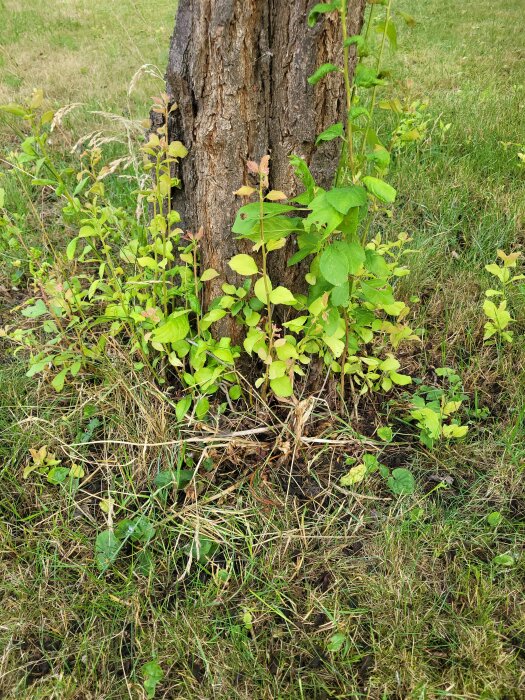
376, 264
385, 433
148, 261
498, 314
182, 407
428, 420
401, 482
260, 287
174, 329
14, 109
177, 149
107, 547
345, 198
244, 265
322, 71
234, 392
139, 529
334, 264
388, 28
179, 478
247, 222
333, 132
58, 381
71, 248
39, 366
379, 156
282, 386
211, 317
409, 20
281, 295
355, 255
400, 379
380, 189
356, 39
57, 475
302, 172
504, 560
320, 9
357, 112
201, 408
277, 369
275, 226
376, 296
454, 431
153, 674
340, 295
323, 214
77, 471
336, 642
366, 77
204, 549
494, 518
38, 309
253, 340
350, 223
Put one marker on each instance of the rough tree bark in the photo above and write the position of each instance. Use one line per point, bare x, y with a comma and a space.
238, 72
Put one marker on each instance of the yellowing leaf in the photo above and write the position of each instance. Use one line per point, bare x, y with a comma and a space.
508, 260
281, 295
174, 329
454, 431
244, 265
76, 471
106, 504
400, 379
390, 364
354, 476
277, 369
244, 191
37, 99
498, 314
276, 196
176, 149
209, 274
261, 287
451, 407
282, 386
500, 272
276, 244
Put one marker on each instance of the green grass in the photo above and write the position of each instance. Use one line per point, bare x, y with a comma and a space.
84, 51
407, 589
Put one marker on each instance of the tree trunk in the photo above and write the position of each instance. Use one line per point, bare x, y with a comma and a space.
238, 72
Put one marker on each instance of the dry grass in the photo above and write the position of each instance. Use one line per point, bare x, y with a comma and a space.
83, 51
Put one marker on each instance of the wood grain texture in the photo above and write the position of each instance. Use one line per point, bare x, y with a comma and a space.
238, 72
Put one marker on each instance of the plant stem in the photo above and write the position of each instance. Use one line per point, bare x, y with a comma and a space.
378, 68
345, 354
166, 232
265, 280
348, 90
196, 285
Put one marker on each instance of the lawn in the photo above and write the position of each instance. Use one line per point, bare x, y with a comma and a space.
300, 590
